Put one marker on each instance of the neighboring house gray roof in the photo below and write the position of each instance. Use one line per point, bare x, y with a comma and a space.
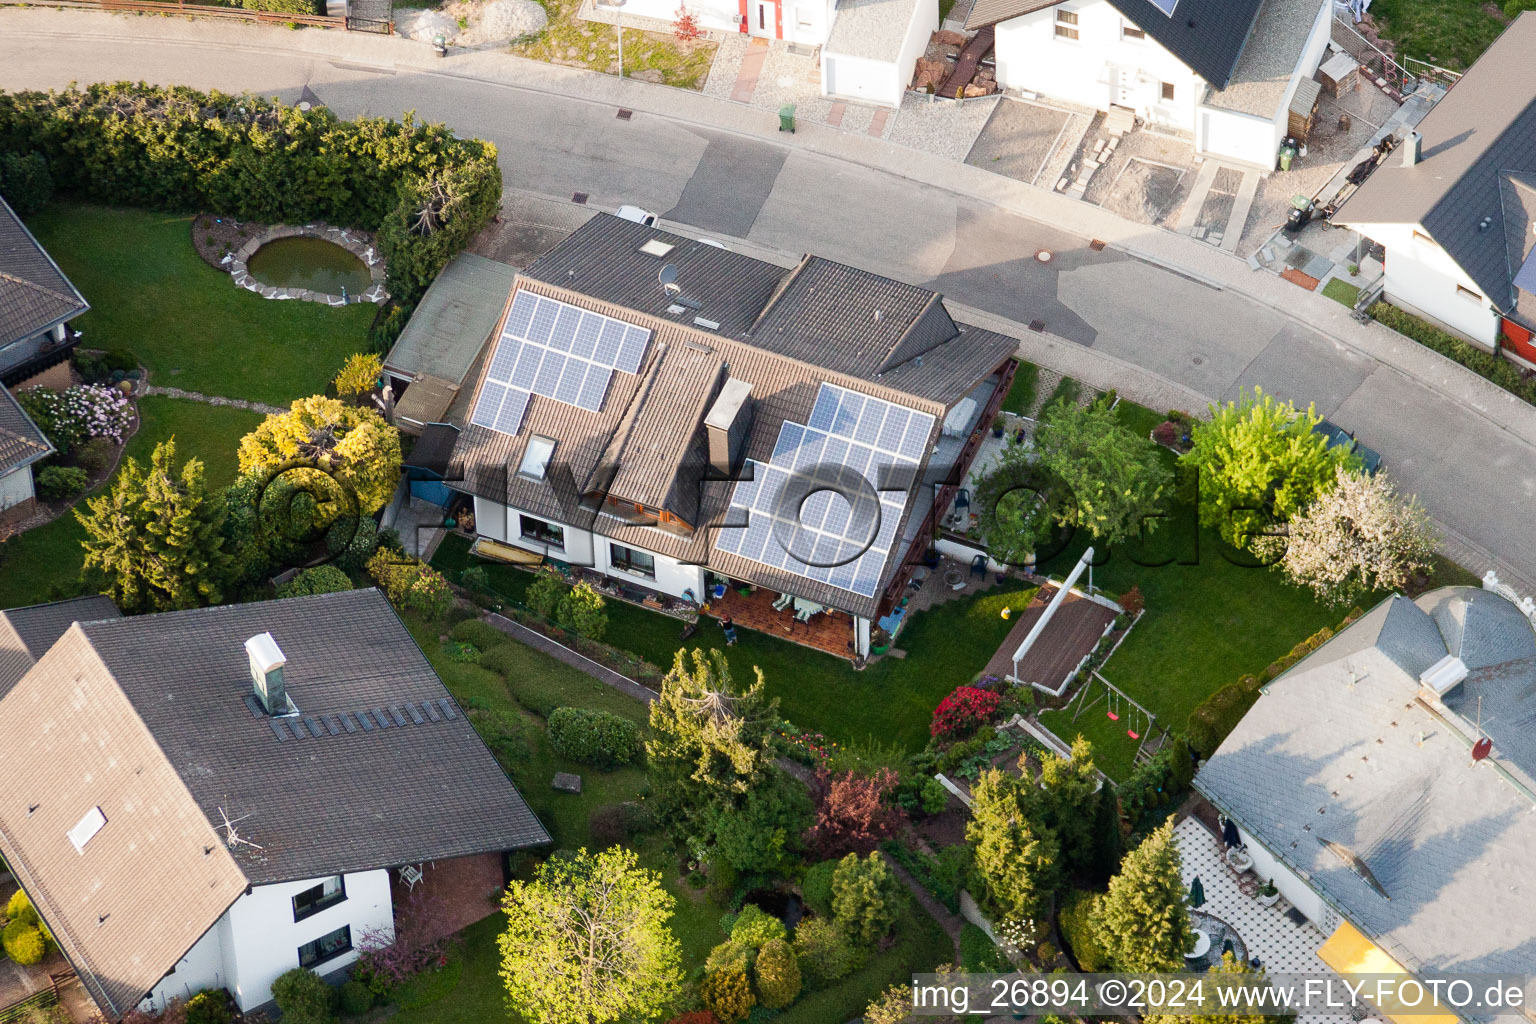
872, 29
27, 633
147, 718
453, 319
1207, 35
1340, 750
1263, 73
21, 441
34, 293
1482, 130
784, 333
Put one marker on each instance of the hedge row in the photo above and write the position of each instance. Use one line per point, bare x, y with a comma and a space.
1216, 716
425, 191
1495, 368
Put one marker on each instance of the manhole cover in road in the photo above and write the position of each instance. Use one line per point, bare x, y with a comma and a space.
1199, 360
1045, 255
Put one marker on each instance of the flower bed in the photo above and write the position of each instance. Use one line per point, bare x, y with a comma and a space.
78, 414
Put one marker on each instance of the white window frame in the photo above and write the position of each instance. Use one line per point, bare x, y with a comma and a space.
614, 546
1133, 32
1463, 292
1067, 25
531, 468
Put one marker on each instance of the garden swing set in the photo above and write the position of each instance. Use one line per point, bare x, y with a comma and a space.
1139, 722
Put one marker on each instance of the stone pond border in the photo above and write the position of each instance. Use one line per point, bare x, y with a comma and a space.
359, 247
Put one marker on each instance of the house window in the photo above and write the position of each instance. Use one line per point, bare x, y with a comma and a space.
1066, 24
629, 560
536, 458
1468, 293
1167, 91
326, 947
1129, 31
1419, 236
538, 529
318, 897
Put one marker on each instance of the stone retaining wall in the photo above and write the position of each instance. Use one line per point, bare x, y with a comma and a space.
362, 249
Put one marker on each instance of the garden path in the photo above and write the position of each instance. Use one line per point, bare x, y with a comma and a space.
193, 396
951, 923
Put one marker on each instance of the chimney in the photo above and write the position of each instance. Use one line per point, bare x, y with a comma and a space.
267, 663
727, 424
1412, 149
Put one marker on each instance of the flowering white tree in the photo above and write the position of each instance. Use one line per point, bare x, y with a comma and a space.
1358, 537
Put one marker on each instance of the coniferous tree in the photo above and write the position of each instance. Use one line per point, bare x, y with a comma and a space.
155, 537
1143, 920
1070, 801
1108, 839
1016, 853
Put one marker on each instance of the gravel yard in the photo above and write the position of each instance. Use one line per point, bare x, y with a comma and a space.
1147, 179
1018, 139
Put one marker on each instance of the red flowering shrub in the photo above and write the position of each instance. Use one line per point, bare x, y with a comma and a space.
963, 712
853, 812
1132, 601
685, 25
695, 1017
1166, 433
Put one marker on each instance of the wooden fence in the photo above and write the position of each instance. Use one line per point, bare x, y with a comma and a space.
211, 11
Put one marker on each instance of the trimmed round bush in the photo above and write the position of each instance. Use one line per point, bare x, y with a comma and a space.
19, 908
728, 995
355, 998
304, 997
57, 482
778, 975
594, 737
816, 887
23, 943
756, 927
322, 579
822, 952
480, 633
207, 1007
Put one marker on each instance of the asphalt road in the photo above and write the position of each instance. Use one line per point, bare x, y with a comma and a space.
1468, 472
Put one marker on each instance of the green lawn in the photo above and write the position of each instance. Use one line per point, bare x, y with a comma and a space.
569, 40
44, 564
890, 702
1450, 33
1342, 292
151, 294
1021, 393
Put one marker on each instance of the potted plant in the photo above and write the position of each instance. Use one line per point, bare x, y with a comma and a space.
1268, 895
998, 426
1239, 860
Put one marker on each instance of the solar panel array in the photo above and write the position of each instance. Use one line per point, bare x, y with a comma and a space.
556, 350
1166, 6
831, 540
299, 727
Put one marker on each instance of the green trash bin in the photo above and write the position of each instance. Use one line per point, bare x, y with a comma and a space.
787, 118
1287, 154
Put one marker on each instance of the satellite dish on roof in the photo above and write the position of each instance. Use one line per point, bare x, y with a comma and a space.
1482, 748
668, 278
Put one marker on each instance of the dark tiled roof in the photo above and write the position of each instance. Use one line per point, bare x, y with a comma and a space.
1207, 35
658, 412
34, 293
1485, 126
603, 260
21, 442
27, 633
146, 717
873, 318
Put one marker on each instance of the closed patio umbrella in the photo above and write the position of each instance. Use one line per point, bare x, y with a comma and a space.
1229, 833
1196, 893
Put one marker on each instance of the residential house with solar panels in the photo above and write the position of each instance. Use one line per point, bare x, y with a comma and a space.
1387, 784
36, 304
1225, 71
1455, 207
209, 798
693, 422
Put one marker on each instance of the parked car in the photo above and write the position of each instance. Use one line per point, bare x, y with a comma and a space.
638, 215
1338, 437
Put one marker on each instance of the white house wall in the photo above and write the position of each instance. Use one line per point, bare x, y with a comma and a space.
1226, 134
202, 967
15, 487
806, 22
1422, 278
264, 938
859, 78
587, 550
1031, 57
1267, 866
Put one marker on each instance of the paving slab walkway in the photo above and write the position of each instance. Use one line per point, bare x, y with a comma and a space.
195, 396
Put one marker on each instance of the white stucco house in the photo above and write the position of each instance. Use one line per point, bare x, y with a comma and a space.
1385, 784
1224, 71
22, 446
1455, 205
207, 799
691, 422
